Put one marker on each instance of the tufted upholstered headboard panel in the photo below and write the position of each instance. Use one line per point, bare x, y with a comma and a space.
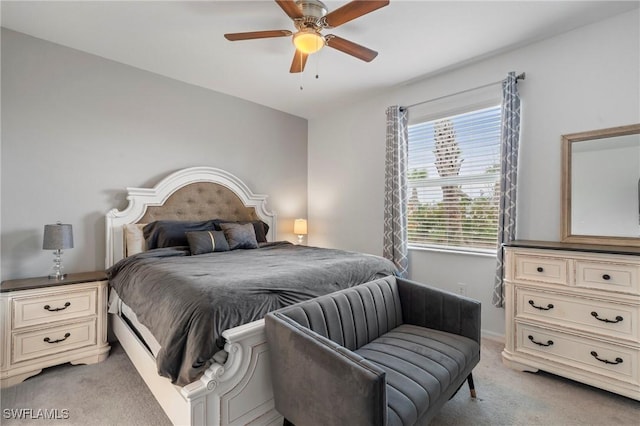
201, 201
196, 193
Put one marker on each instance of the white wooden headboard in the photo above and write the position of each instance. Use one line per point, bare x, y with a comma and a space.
176, 197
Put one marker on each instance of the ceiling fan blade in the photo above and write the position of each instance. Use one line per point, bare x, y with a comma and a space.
290, 8
353, 10
257, 34
350, 48
299, 61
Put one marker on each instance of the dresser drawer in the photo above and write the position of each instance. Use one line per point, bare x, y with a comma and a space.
608, 276
56, 306
541, 269
47, 341
618, 362
606, 318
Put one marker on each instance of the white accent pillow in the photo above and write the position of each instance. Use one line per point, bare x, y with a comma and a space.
134, 238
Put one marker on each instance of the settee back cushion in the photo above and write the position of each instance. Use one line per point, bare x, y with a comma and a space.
352, 317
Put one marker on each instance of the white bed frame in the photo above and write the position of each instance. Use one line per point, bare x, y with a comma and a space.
236, 393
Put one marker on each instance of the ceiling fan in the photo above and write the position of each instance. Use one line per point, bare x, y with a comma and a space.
310, 17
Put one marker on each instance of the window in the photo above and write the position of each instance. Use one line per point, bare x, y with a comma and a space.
454, 181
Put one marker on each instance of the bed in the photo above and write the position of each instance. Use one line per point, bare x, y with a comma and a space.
221, 377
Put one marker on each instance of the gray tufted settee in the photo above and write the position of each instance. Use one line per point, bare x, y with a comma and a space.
387, 352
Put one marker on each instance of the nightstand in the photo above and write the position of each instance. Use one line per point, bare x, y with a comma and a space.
45, 322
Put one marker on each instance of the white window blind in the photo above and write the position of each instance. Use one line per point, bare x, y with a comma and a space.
454, 171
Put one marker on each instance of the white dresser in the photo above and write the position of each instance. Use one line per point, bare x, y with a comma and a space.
574, 310
46, 322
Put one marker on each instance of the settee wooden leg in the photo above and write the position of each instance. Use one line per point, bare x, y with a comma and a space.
472, 388
287, 423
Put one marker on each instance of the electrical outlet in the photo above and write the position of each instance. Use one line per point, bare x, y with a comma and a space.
462, 289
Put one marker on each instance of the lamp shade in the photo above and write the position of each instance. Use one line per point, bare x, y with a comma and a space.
57, 237
300, 227
308, 41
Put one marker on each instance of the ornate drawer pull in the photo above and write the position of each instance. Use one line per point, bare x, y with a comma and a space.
606, 361
606, 277
595, 315
540, 269
549, 342
542, 308
66, 336
50, 309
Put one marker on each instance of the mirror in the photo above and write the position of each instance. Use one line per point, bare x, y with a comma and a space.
601, 186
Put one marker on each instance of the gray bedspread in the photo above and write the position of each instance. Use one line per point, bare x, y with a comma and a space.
187, 301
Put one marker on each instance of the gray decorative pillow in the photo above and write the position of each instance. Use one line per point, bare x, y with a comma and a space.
171, 233
207, 242
260, 227
240, 236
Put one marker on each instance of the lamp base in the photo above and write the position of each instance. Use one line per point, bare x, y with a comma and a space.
56, 273
300, 239
57, 277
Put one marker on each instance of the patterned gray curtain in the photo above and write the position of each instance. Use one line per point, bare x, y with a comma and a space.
508, 177
395, 189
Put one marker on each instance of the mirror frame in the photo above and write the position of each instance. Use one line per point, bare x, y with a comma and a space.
567, 141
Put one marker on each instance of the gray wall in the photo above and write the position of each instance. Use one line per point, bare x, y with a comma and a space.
582, 80
78, 129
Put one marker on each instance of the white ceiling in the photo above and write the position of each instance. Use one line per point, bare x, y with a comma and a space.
184, 41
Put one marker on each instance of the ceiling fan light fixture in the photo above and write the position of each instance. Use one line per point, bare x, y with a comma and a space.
311, 17
308, 41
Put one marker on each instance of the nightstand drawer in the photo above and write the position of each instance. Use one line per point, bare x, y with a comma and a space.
608, 276
593, 316
607, 359
54, 307
542, 269
34, 344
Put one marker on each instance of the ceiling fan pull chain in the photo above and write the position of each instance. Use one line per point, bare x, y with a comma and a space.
300, 76
303, 61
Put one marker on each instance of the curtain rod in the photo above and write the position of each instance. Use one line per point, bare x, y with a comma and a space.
518, 77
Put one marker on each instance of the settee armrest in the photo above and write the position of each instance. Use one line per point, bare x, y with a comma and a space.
437, 309
316, 381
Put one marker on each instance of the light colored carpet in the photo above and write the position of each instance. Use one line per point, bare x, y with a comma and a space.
112, 393
108, 393
510, 397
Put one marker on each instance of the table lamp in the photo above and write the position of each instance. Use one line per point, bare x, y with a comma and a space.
300, 228
57, 237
